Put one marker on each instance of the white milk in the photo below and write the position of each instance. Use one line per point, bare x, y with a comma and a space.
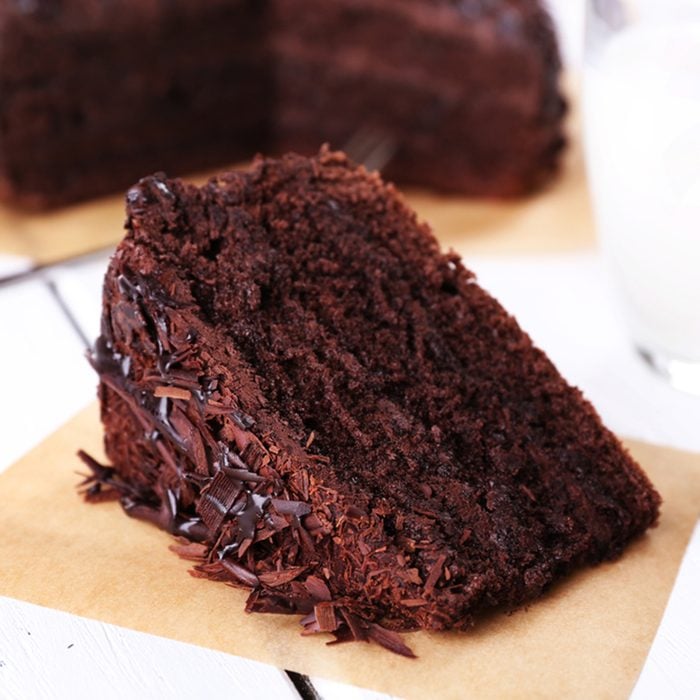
642, 119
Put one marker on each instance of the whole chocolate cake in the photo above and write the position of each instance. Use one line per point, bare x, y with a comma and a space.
459, 96
332, 413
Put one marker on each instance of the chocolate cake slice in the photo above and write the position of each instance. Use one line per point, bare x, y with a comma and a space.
331, 412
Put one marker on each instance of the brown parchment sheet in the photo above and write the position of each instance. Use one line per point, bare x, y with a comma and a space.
587, 638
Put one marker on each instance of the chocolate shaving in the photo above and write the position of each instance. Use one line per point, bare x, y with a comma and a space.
389, 640
216, 500
355, 629
325, 617
192, 551
435, 573
240, 573
279, 578
354, 513
343, 635
528, 492
354, 623
172, 392
284, 507
191, 439
213, 571
260, 601
245, 544
317, 588
244, 475
307, 543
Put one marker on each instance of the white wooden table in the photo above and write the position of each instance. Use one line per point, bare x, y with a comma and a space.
562, 302
44, 320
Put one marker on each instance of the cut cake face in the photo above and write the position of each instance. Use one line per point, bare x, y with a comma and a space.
334, 413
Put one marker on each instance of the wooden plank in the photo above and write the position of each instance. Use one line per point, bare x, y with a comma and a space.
49, 654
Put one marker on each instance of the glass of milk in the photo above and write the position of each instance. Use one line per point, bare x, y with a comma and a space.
642, 136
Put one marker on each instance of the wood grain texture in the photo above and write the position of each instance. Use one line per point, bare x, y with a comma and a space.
673, 668
78, 658
105, 566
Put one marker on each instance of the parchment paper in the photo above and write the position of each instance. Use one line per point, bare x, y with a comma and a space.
587, 638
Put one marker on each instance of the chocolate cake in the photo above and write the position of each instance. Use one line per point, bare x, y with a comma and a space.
459, 96
331, 412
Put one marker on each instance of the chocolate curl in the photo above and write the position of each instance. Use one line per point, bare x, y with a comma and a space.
355, 629
101, 477
240, 573
318, 589
389, 640
191, 551
435, 573
279, 578
216, 500
326, 619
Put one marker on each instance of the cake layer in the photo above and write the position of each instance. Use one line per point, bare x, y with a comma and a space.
294, 376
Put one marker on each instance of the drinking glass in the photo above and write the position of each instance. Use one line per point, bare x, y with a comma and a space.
642, 135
